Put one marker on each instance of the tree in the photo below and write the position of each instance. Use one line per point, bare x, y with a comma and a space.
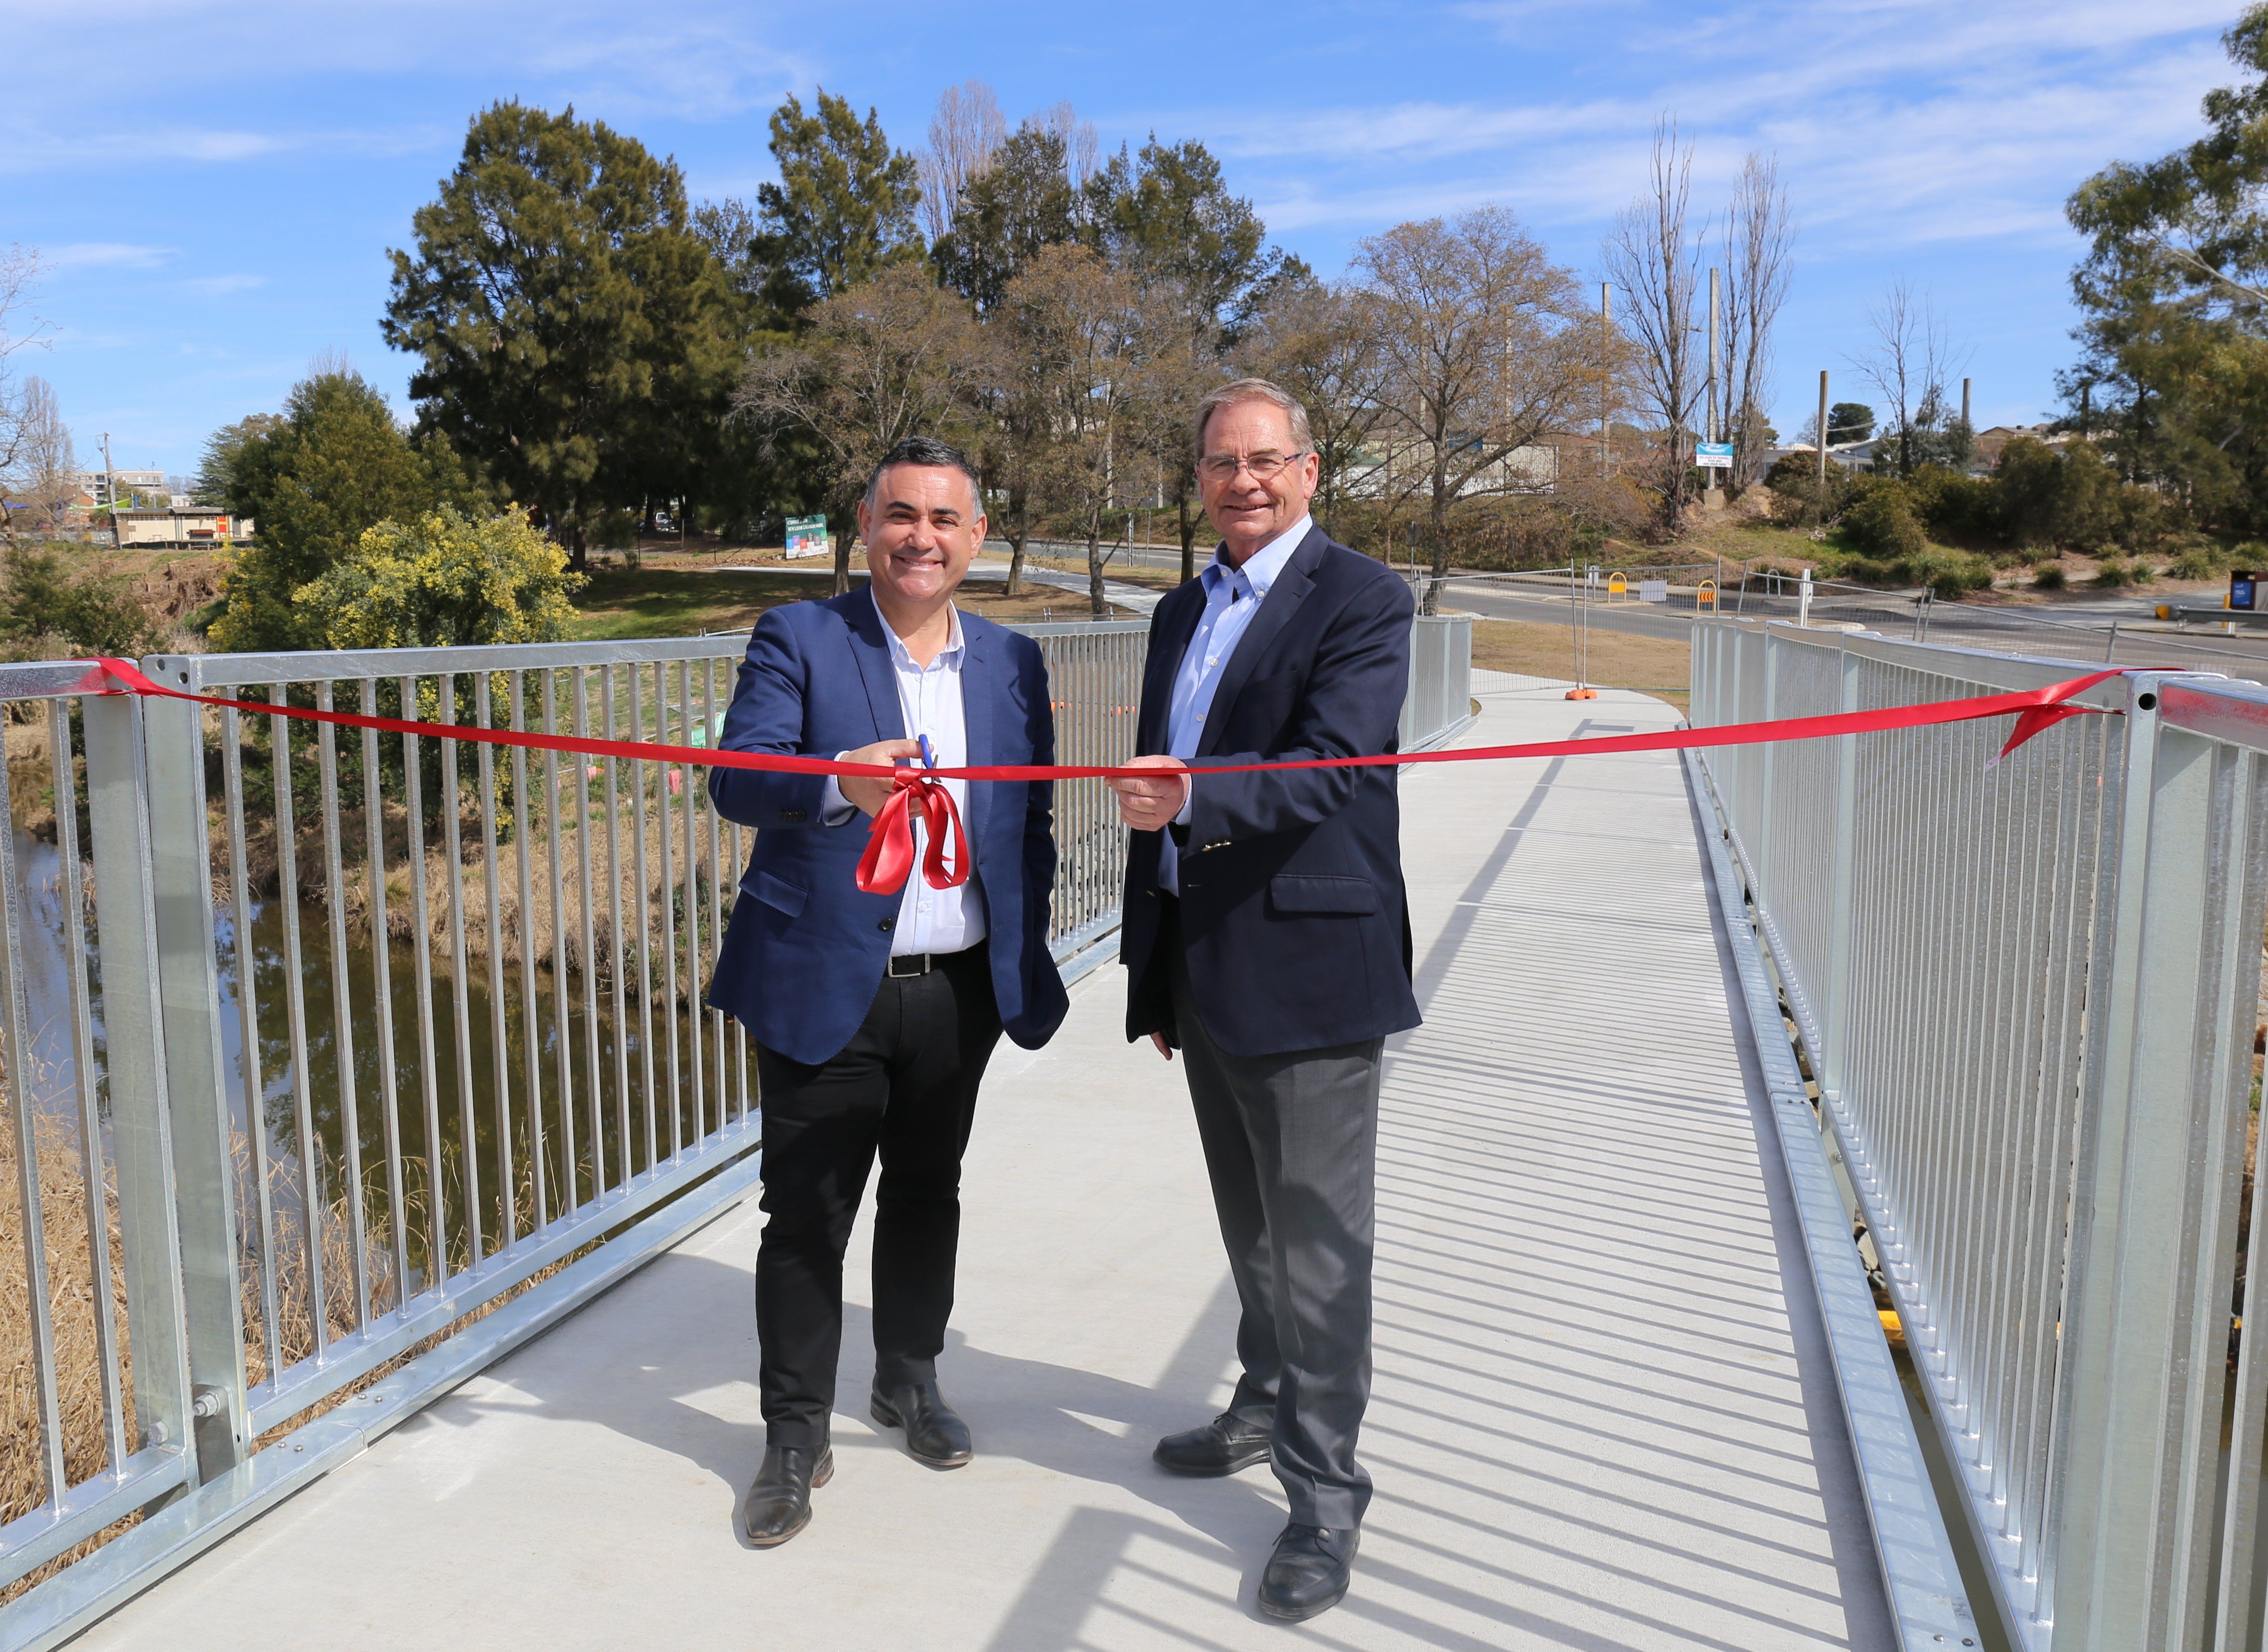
1084, 330
1487, 348
570, 326
1166, 219
1655, 258
894, 358
444, 579
1759, 240
224, 449
963, 134
2175, 371
55, 606
19, 273
1023, 201
1848, 422
1908, 364
843, 210
334, 465
42, 475
1320, 343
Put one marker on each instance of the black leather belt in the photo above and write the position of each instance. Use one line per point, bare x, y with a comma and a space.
913, 963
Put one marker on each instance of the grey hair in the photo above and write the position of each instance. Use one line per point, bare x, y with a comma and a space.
1254, 390
930, 453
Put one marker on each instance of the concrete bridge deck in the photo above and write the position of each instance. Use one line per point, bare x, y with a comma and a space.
1602, 1418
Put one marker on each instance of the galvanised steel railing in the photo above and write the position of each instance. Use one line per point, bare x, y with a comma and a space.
2028, 995
320, 1044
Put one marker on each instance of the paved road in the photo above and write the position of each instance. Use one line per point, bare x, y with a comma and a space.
1602, 1418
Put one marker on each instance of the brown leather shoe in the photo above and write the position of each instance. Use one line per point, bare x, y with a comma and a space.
1227, 1445
779, 1503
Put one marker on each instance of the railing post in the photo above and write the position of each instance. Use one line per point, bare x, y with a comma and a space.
141, 1120
188, 991
1834, 1012
2146, 1316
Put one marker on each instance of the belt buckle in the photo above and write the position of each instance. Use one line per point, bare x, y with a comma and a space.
920, 958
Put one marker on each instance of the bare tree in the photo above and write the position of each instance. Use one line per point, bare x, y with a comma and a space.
963, 133
896, 357
44, 463
1081, 148
20, 268
1759, 240
1082, 330
1486, 351
1908, 364
1321, 342
1654, 257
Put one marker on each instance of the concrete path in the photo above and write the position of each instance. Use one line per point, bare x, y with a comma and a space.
1597, 1423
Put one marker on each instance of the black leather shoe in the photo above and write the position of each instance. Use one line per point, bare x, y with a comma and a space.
779, 1503
933, 1433
1308, 1575
1227, 1445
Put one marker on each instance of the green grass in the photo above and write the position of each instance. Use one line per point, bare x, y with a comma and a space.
620, 604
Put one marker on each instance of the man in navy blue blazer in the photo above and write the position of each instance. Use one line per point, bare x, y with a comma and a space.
1267, 938
873, 1016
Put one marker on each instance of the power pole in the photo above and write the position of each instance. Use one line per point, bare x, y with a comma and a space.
1709, 419
1606, 354
1964, 406
110, 489
1823, 438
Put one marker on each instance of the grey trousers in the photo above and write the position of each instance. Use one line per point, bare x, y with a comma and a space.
1290, 1146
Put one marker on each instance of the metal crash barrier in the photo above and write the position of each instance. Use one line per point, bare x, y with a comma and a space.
340, 1063
2028, 996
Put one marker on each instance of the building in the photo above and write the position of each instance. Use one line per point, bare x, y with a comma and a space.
192, 525
135, 488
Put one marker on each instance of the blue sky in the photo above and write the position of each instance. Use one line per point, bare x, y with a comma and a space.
216, 186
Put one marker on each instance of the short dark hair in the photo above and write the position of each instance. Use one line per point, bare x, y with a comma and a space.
930, 453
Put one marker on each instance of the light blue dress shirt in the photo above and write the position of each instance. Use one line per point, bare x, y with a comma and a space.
1232, 596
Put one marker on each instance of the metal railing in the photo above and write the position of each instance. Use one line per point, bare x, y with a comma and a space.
2028, 996
321, 1044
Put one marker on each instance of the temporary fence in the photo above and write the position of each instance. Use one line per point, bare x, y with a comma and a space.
2027, 996
326, 1047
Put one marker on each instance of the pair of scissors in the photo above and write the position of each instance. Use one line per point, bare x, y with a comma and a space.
928, 751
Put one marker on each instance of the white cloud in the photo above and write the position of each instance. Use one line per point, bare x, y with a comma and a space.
222, 286
110, 254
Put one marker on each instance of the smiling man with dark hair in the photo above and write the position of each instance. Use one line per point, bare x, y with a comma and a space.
874, 1015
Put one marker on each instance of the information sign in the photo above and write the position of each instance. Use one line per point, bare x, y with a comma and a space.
806, 536
1713, 456
2244, 589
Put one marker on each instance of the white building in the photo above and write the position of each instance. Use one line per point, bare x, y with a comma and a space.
196, 525
145, 488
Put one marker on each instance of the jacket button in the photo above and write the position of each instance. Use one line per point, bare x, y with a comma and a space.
884, 924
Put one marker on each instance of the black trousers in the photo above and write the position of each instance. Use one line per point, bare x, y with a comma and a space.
1291, 1146
903, 1089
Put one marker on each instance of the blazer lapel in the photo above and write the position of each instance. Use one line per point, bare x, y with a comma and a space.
872, 650
1283, 601
980, 686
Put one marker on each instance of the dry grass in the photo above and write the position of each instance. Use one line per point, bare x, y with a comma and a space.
1658, 666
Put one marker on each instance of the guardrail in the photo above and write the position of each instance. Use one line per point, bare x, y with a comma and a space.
2027, 996
321, 1044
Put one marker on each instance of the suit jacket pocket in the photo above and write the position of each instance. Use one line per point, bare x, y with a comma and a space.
1318, 892
776, 892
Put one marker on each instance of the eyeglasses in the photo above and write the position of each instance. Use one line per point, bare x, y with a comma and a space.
1264, 467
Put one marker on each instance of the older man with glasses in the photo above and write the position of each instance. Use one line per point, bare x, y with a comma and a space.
1266, 937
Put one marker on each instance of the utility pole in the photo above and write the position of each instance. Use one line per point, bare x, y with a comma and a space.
1715, 494
1606, 355
110, 491
1964, 406
1822, 439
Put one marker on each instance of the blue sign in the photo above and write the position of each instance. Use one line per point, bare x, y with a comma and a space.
2241, 590
1713, 456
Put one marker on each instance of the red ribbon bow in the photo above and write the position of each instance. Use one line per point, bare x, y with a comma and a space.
889, 856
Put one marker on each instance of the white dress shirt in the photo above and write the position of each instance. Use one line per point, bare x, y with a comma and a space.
929, 699
1232, 596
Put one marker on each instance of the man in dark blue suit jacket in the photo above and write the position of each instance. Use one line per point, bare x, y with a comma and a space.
1266, 937
874, 1014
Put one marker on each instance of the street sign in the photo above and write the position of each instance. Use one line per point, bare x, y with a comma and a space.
806, 536
1713, 456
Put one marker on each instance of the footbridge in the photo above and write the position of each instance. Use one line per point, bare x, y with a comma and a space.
383, 1206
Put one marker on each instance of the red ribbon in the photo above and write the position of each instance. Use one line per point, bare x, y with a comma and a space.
889, 856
